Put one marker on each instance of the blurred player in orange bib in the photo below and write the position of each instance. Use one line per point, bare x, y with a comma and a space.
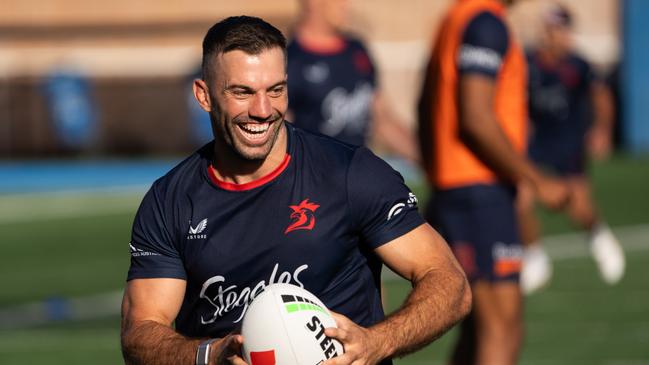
473, 116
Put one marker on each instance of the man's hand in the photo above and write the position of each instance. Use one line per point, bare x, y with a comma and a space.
361, 347
227, 351
551, 192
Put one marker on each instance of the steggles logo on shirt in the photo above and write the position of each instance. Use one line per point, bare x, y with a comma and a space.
195, 232
303, 216
224, 296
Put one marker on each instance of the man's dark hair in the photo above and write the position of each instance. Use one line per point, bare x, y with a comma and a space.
246, 33
559, 15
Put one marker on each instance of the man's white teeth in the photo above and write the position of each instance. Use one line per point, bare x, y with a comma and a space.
255, 127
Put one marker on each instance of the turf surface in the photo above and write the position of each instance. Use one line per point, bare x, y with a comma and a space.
77, 245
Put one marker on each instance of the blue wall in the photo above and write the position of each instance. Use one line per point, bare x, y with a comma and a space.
635, 75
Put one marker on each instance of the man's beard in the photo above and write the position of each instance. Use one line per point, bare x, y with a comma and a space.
230, 134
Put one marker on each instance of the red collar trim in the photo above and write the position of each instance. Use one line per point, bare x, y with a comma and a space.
319, 49
249, 185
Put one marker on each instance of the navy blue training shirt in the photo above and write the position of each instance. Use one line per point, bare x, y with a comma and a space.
332, 92
561, 111
313, 222
484, 44
559, 105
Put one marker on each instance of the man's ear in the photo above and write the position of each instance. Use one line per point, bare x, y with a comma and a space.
202, 94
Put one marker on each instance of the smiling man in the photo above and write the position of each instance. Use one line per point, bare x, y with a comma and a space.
267, 202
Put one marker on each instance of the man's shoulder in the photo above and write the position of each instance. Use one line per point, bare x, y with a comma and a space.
293, 46
354, 42
486, 24
321, 147
187, 172
466, 11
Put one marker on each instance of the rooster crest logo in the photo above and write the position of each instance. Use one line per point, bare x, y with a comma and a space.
303, 216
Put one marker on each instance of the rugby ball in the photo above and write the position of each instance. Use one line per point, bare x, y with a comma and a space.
284, 325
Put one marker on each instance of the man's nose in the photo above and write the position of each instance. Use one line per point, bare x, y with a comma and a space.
261, 107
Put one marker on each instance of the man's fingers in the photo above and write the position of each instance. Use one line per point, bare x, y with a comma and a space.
231, 350
232, 344
343, 359
236, 360
236, 340
341, 320
337, 333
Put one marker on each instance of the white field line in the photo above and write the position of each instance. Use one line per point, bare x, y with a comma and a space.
52, 341
573, 245
63, 309
32, 207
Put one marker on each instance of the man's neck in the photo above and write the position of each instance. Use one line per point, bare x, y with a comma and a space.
230, 167
314, 30
551, 56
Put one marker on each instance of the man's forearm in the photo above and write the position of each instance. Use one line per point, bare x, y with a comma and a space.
603, 106
439, 300
149, 342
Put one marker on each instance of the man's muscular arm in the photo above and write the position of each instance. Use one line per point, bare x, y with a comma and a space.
600, 135
148, 311
440, 297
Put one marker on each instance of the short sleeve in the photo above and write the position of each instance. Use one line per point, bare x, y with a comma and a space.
153, 254
382, 206
588, 74
484, 44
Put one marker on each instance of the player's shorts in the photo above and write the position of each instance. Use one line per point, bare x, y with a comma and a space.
564, 158
480, 225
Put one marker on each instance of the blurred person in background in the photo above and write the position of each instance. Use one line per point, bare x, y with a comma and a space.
571, 113
208, 238
333, 83
473, 117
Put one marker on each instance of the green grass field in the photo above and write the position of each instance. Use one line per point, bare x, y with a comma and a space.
76, 245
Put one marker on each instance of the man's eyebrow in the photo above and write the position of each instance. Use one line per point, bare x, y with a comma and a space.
251, 90
281, 83
242, 87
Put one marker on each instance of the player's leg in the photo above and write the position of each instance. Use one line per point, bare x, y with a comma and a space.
498, 308
464, 352
497, 294
480, 225
493, 332
581, 208
445, 212
537, 267
604, 246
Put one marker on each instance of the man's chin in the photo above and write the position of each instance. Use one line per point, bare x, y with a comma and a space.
248, 150
253, 154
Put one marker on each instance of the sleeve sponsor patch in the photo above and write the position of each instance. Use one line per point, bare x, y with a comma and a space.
480, 58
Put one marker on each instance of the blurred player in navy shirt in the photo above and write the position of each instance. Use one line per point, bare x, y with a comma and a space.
268, 202
333, 83
571, 113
